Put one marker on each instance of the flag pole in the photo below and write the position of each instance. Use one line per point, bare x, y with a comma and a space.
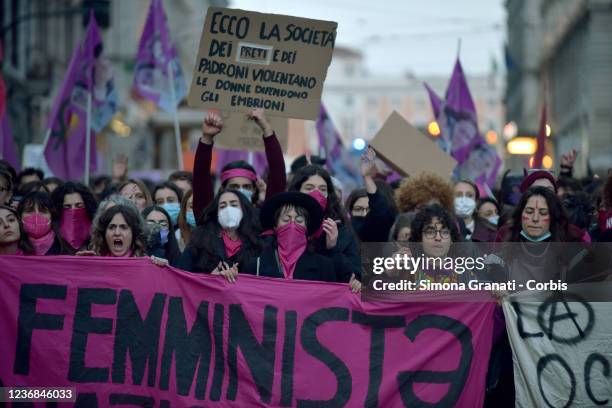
87, 139
177, 132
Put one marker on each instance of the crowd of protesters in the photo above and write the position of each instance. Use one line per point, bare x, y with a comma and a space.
293, 226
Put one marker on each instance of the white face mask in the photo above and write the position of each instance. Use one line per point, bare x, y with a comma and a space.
494, 219
464, 206
229, 217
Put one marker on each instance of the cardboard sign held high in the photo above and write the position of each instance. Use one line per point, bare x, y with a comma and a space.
408, 151
252, 60
241, 133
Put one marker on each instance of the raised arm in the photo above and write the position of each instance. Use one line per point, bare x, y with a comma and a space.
202, 181
277, 179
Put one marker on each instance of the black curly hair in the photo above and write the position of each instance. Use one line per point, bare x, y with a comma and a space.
71, 187
426, 215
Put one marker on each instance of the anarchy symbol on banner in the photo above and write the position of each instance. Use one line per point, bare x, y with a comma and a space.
563, 324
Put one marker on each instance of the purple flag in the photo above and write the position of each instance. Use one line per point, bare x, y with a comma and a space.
339, 161
156, 53
65, 148
8, 150
456, 116
435, 100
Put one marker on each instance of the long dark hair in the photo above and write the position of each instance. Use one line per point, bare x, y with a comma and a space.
171, 247
71, 187
134, 221
558, 218
334, 209
205, 237
24, 241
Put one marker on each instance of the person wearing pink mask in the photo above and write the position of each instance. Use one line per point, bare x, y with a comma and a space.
334, 239
41, 224
76, 206
290, 218
13, 239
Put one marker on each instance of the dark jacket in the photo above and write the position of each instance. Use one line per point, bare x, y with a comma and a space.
190, 258
379, 220
346, 255
310, 266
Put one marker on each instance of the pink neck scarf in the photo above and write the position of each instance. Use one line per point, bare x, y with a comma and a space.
43, 244
231, 247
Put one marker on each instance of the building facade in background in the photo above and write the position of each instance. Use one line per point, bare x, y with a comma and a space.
39, 37
561, 49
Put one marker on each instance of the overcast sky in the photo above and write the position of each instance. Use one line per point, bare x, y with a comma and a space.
407, 35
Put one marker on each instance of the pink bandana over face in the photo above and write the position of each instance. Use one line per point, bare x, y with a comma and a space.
38, 228
292, 241
321, 199
231, 247
75, 226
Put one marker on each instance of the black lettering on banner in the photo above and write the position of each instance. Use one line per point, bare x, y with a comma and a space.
312, 345
544, 361
554, 317
588, 367
288, 359
259, 357
519, 323
456, 379
188, 348
84, 324
378, 323
29, 320
138, 337
131, 399
86, 400
217, 383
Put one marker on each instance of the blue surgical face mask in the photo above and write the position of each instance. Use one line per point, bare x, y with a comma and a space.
190, 219
494, 219
531, 239
173, 210
247, 193
163, 235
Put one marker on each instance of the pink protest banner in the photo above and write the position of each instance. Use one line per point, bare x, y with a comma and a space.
123, 331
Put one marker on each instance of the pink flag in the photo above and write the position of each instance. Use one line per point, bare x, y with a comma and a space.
339, 161
8, 149
65, 148
156, 53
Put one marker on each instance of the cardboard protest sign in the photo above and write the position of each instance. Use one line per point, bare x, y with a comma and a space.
408, 151
252, 60
125, 330
561, 351
241, 133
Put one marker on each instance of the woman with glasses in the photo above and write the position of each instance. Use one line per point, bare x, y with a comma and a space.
432, 232
161, 240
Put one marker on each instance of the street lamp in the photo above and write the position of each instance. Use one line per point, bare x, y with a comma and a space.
522, 145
